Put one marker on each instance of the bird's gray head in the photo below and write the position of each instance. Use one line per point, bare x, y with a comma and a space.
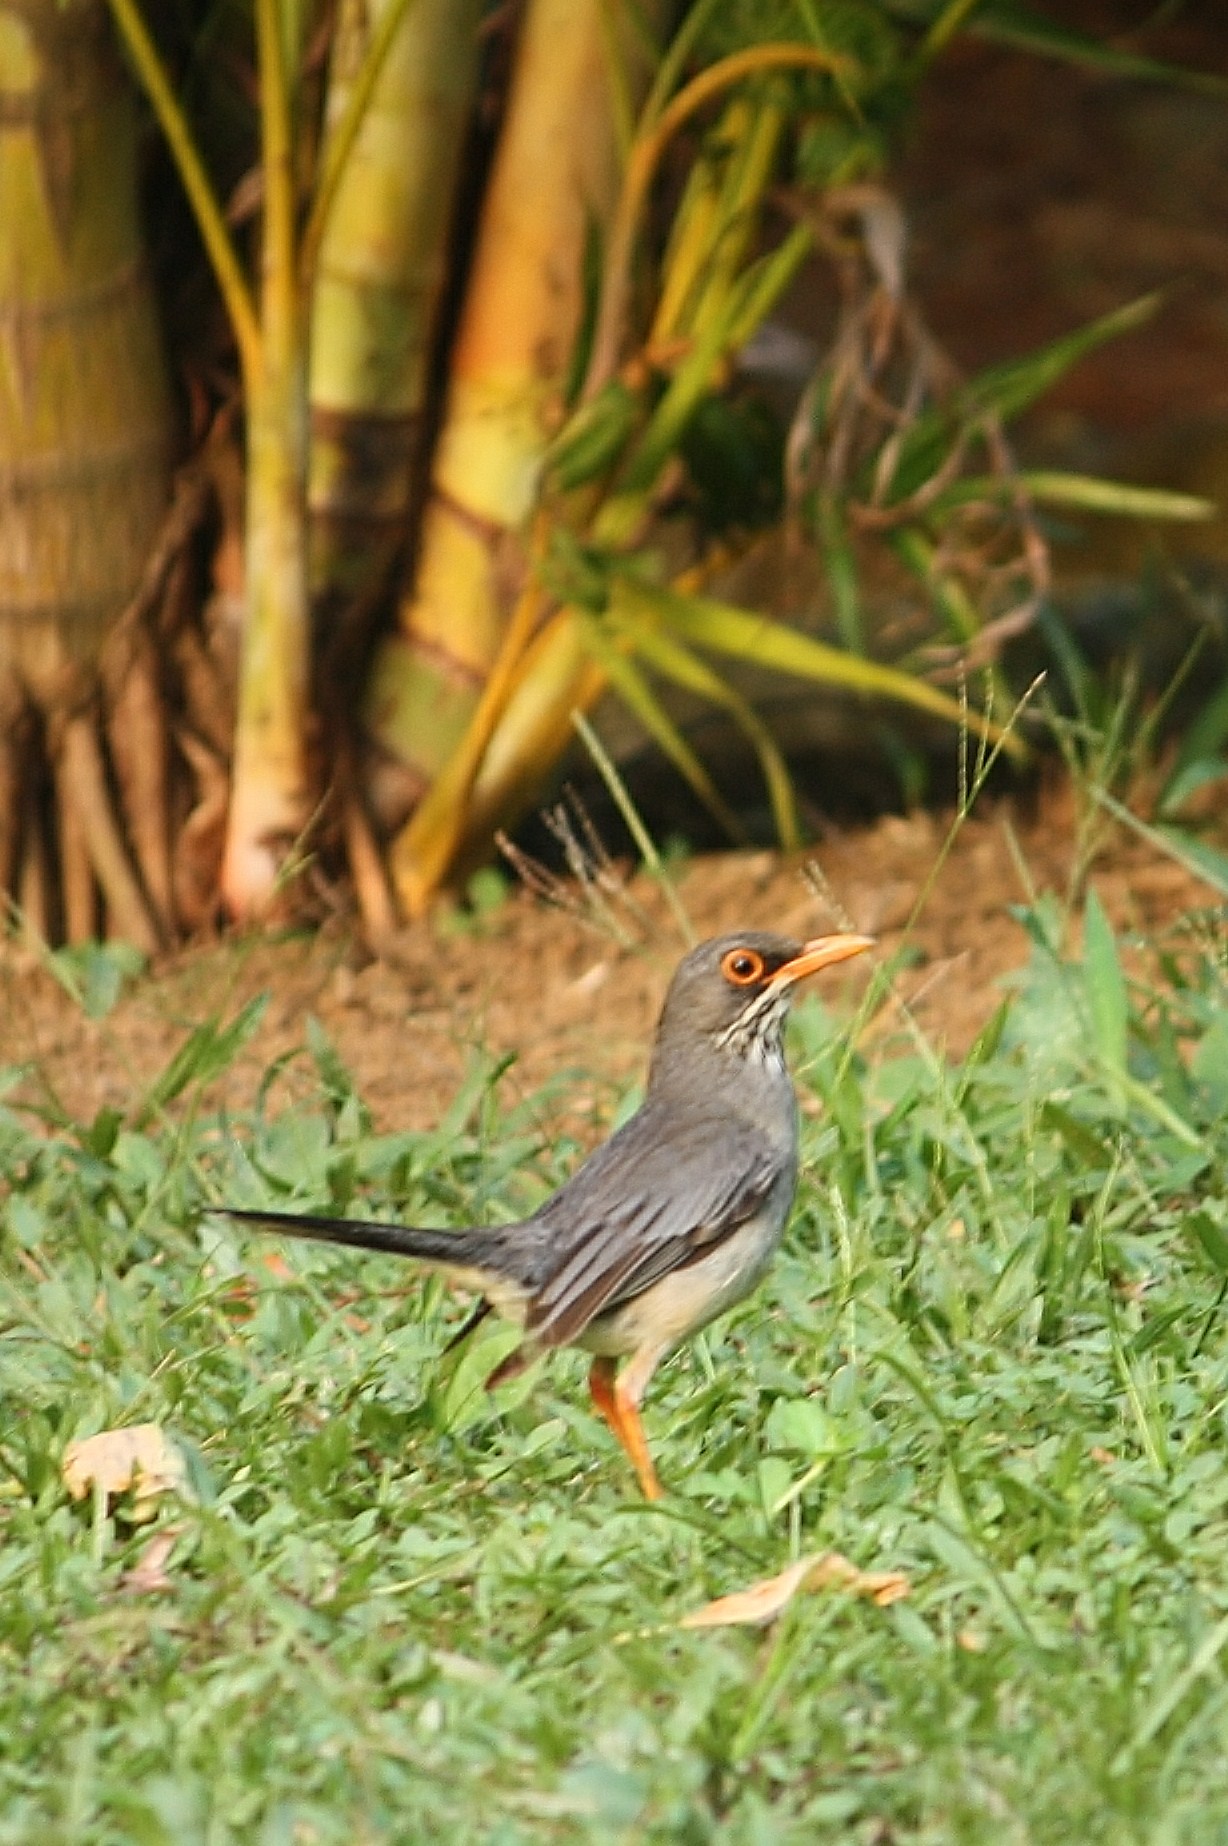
733, 995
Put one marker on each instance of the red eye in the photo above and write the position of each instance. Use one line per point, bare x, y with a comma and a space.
742, 967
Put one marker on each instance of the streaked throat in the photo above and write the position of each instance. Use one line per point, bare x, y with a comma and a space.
757, 1034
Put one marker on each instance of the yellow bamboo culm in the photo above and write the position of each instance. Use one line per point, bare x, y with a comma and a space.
86, 439
378, 281
85, 416
555, 175
271, 779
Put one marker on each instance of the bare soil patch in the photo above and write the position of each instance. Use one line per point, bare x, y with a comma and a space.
568, 1002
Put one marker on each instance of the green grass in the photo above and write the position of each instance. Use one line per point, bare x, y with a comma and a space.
993, 1356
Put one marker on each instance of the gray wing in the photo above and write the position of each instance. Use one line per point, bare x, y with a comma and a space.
643, 1205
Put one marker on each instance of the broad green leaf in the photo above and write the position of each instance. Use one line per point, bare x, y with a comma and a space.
1082, 1141
1212, 1237
1104, 987
93, 973
1210, 1061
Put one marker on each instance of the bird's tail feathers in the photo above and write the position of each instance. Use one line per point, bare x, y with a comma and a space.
468, 1253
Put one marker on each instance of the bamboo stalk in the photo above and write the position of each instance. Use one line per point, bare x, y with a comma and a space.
559, 678
555, 173
84, 409
85, 420
377, 286
270, 799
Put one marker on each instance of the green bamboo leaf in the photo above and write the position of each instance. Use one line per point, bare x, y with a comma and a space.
1120, 497
1004, 391
1055, 488
726, 629
637, 694
950, 598
1104, 987
1013, 386
766, 281
751, 297
736, 167
1010, 24
682, 396
591, 439
685, 669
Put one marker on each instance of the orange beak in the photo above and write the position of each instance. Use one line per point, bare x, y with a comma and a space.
823, 952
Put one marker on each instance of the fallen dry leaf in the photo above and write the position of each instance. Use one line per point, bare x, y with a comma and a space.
148, 1575
822, 1570
142, 1457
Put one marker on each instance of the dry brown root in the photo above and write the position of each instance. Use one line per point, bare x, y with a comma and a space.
10, 790
82, 784
33, 881
78, 890
368, 870
201, 834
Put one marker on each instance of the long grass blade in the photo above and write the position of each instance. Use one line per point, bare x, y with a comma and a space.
635, 825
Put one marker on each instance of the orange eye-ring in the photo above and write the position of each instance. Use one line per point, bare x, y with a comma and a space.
742, 967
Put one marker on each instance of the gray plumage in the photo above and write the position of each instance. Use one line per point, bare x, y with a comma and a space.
674, 1218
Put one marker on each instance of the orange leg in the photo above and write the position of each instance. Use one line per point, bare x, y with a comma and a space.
620, 1408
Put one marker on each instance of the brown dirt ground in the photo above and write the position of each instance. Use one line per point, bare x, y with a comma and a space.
568, 1000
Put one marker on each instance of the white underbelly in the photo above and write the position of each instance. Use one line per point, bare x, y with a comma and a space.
687, 1299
